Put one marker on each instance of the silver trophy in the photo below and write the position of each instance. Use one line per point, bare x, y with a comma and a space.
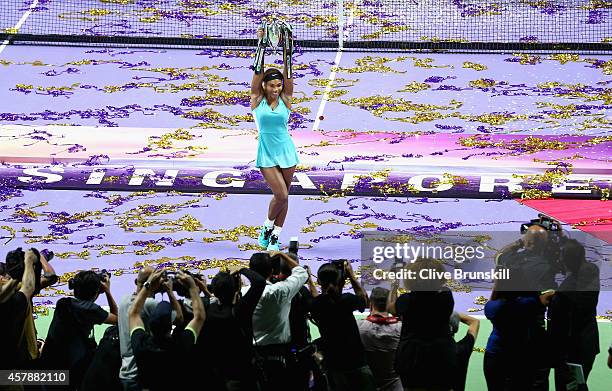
275, 34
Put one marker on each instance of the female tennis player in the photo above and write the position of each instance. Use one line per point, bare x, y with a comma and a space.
271, 93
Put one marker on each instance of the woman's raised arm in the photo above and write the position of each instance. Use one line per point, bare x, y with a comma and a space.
256, 83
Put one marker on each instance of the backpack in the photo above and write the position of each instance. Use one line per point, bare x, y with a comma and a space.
103, 373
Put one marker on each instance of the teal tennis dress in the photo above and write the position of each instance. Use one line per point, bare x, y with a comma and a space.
275, 145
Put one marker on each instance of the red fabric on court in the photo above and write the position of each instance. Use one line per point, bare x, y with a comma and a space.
592, 216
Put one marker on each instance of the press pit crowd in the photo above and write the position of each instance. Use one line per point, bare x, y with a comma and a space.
249, 328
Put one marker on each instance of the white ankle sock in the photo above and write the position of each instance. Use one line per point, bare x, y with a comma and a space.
277, 230
268, 223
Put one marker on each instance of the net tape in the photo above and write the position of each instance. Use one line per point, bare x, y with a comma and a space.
365, 24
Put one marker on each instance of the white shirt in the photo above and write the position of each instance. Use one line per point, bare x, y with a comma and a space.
129, 370
271, 316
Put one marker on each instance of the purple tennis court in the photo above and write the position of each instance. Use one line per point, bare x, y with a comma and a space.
119, 157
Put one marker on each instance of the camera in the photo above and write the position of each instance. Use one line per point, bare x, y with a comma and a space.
169, 275
543, 221
339, 264
556, 239
294, 246
102, 275
15, 263
48, 254
15, 266
177, 287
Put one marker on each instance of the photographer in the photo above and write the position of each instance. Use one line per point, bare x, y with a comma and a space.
28, 350
160, 356
128, 373
47, 277
464, 347
229, 329
14, 304
70, 343
300, 346
332, 311
535, 256
425, 356
516, 356
271, 328
380, 334
572, 322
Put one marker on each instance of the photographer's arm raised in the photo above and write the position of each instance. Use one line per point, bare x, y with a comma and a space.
152, 284
114, 310
256, 83
202, 284
199, 313
509, 249
472, 323
296, 280
312, 288
359, 291
287, 82
176, 306
50, 277
392, 298
28, 281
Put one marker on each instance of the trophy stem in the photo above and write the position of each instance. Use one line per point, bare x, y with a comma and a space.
288, 49
261, 49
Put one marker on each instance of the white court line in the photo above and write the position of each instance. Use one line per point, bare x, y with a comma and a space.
330, 81
332, 75
19, 24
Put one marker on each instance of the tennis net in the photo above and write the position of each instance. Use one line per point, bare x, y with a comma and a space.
480, 25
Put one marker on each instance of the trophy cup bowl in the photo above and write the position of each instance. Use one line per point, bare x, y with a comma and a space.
274, 35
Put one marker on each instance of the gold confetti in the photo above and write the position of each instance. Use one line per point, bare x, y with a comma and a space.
97, 12
11, 232
232, 234
337, 83
564, 58
372, 64
475, 66
482, 83
332, 95
535, 194
386, 29
438, 39
426, 63
415, 87
527, 59
71, 254
45, 238
378, 105
249, 247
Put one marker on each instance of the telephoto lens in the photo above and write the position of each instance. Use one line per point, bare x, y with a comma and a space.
294, 246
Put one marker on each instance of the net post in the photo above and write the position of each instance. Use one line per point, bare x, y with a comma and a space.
340, 24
